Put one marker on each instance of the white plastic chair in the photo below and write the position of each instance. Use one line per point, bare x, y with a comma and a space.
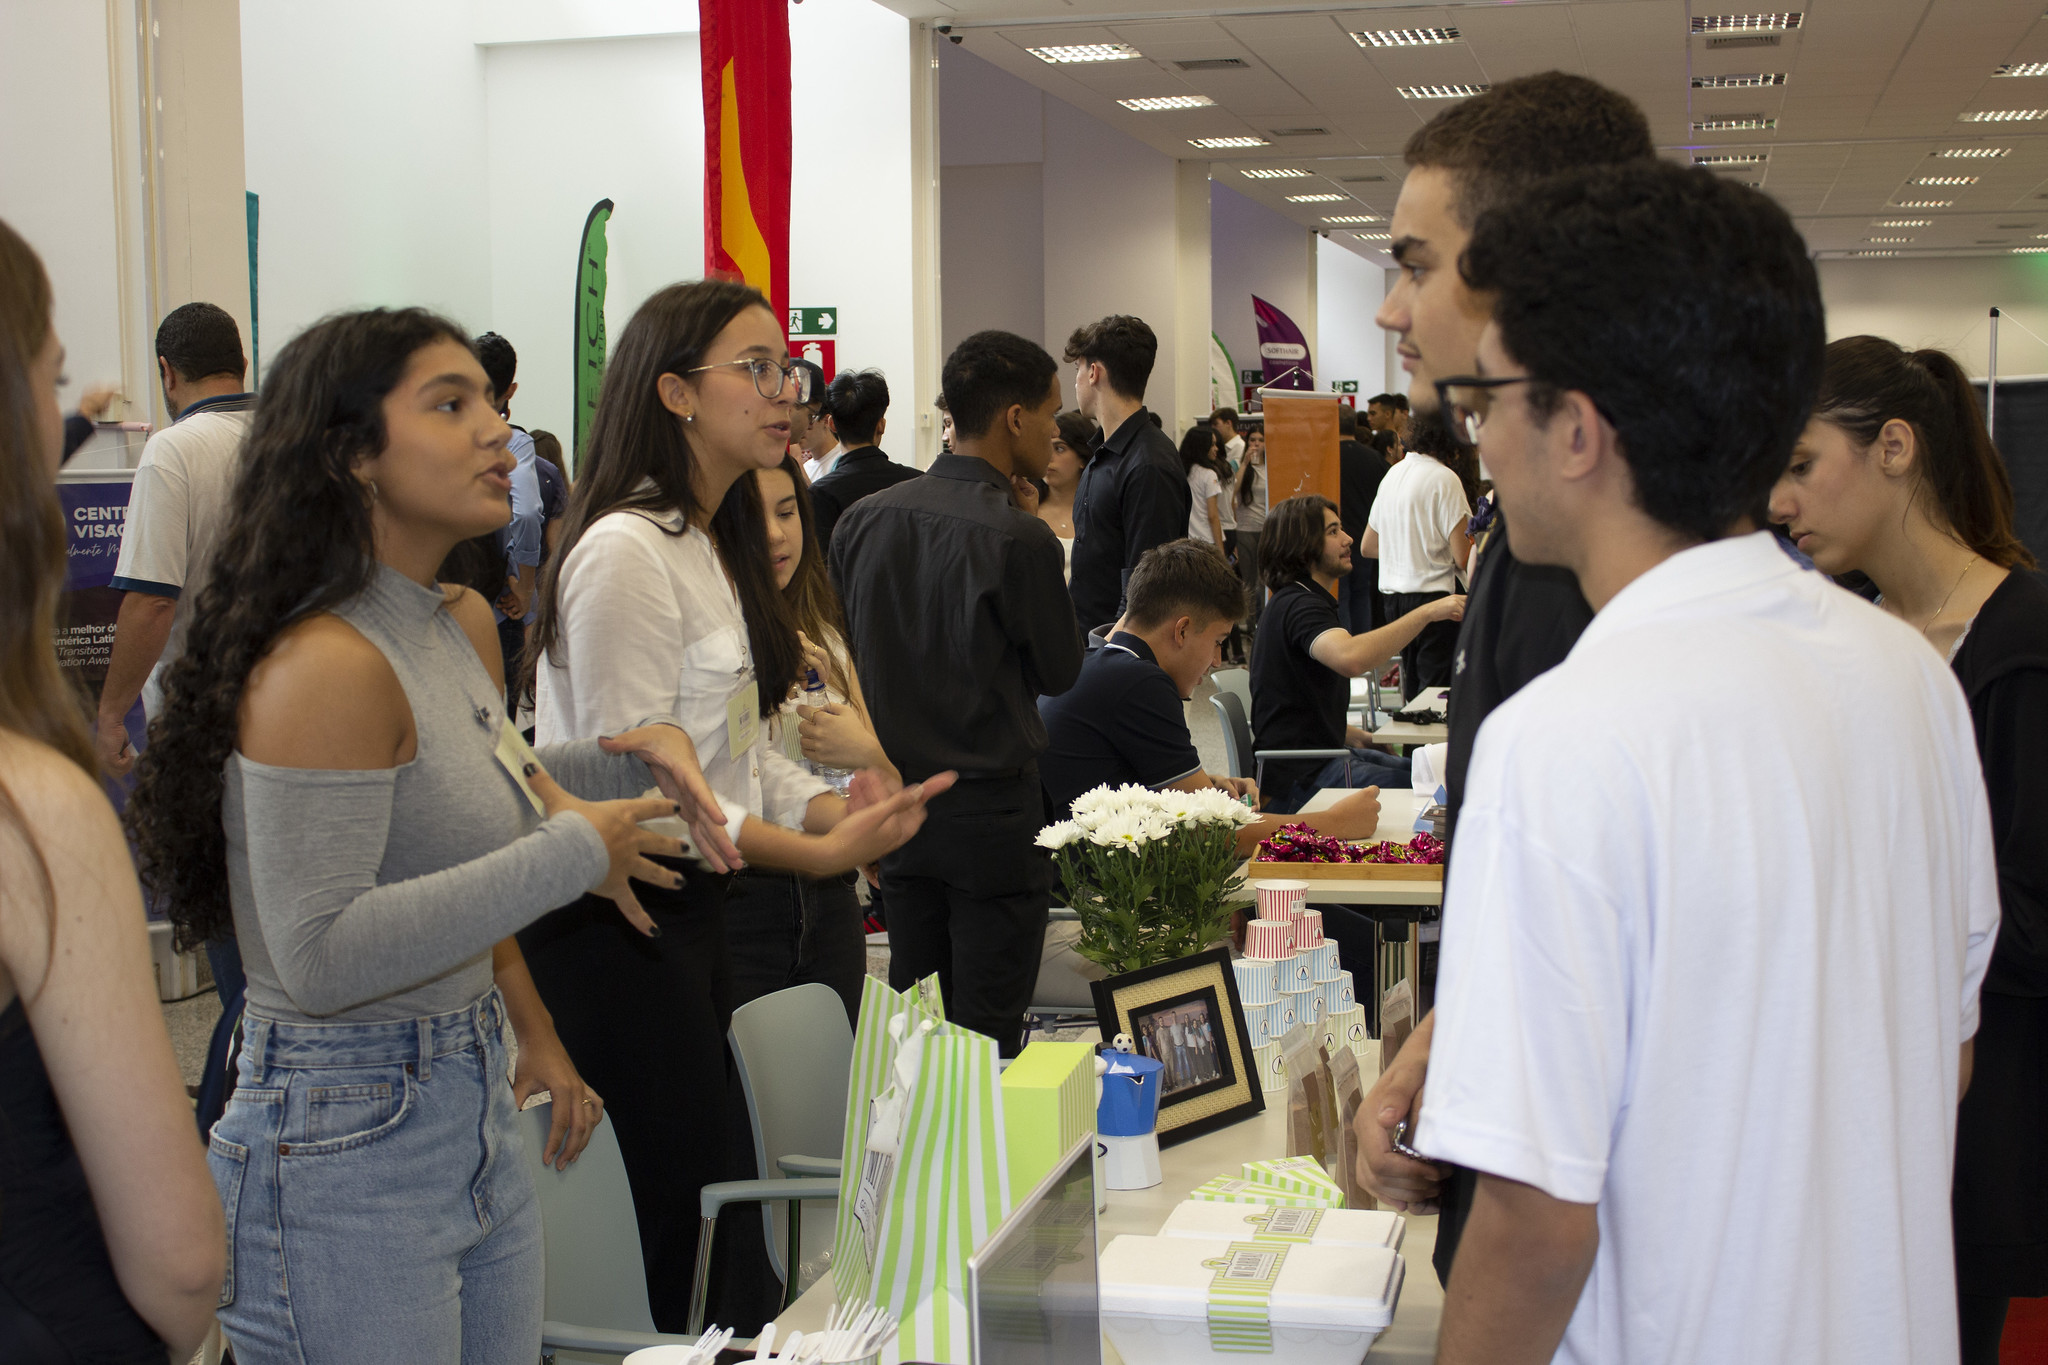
596, 1296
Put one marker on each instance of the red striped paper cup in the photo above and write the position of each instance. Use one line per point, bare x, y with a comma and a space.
1279, 900
1308, 930
1269, 938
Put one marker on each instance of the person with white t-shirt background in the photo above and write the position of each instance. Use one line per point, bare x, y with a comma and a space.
1740, 1000
1417, 532
1205, 485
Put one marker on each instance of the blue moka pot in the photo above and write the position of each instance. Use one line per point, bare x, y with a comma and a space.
1125, 1119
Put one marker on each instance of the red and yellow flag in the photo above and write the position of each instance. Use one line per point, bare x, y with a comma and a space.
745, 45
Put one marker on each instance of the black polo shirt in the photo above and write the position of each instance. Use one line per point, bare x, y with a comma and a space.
1133, 495
858, 473
958, 616
1120, 722
1297, 703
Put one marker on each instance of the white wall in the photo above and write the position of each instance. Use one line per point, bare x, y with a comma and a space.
1946, 304
1253, 250
1349, 289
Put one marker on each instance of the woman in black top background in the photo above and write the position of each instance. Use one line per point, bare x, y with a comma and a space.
1896, 476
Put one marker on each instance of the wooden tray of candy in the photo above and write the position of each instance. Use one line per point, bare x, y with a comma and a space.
1260, 870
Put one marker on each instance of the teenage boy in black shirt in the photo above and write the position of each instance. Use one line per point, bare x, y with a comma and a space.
1303, 659
1134, 493
956, 608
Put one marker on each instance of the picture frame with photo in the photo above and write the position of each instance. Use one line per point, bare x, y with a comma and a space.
1187, 1016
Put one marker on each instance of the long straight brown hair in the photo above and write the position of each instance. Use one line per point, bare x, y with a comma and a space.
35, 700
810, 594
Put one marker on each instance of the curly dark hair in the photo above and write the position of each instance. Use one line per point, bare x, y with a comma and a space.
297, 541
1125, 345
637, 456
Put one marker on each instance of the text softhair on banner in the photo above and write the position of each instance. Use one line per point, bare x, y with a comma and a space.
745, 47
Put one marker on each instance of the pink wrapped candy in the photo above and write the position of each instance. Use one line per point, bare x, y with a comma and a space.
1301, 844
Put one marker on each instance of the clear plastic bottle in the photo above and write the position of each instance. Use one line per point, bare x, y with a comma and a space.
815, 696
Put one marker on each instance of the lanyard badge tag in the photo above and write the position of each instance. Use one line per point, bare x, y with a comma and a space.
742, 719
513, 754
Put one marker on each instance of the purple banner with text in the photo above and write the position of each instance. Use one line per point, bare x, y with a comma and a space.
1283, 350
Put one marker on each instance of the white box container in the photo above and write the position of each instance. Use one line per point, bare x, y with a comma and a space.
1328, 1304
1214, 1222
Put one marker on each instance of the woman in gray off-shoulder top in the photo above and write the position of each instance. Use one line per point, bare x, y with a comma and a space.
335, 779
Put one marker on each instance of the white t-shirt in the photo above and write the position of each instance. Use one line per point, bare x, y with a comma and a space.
1719, 989
1419, 504
1204, 484
819, 466
175, 510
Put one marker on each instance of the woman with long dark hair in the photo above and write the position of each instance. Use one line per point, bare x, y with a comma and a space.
335, 773
1200, 458
1896, 476
110, 1232
1253, 496
661, 604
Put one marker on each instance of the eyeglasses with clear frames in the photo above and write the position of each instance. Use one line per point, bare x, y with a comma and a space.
1467, 399
770, 377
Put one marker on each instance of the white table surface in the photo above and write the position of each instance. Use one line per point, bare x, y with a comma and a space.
1406, 733
1398, 809
1410, 1340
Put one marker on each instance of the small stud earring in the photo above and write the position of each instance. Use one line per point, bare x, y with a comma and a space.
689, 417
374, 493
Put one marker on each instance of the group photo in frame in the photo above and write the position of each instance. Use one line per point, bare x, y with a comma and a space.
1185, 1014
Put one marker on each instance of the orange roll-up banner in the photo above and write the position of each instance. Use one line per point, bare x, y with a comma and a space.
745, 47
1301, 444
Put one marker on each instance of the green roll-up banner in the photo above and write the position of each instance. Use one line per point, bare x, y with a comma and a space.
589, 348
255, 337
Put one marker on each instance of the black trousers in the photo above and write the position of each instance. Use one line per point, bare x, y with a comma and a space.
1427, 661
644, 1020
783, 930
968, 899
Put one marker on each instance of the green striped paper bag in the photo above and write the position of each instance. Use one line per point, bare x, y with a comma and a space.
873, 1052
1241, 1297
951, 1190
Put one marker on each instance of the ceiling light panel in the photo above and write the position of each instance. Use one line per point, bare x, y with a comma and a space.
1214, 64
1925, 204
1873, 253
1405, 37
1892, 240
1746, 23
2022, 69
1440, 92
1154, 103
1974, 153
1355, 218
1903, 223
1274, 173
1086, 52
1738, 123
2027, 250
1732, 159
2005, 116
1743, 82
1945, 180
1316, 198
1225, 143
1388, 237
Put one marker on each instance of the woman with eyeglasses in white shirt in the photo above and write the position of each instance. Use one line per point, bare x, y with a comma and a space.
661, 606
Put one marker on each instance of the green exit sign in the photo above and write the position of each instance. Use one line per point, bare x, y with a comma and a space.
1344, 385
813, 322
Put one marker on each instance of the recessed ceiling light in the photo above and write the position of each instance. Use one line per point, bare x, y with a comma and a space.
2022, 69
1440, 92
1374, 236
1744, 82
1974, 153
1925, 204
1362, 179
1316, 198
1274, 173
1734, 124
1214, 64
1153, 103
1405, 37
1732, 159
2004, 116
1944, 179
1356, 218
1086, 52
1298, 132
1873, 253
1895, 240
1903, 222
2027, 250
1218, 143
1746, 23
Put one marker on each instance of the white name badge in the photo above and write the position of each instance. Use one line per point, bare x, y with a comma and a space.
514, 753
743, 719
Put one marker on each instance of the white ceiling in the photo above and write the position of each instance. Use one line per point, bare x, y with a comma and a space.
1873, 90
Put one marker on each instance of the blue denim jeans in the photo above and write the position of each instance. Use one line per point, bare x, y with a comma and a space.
379, 1205
1359, 768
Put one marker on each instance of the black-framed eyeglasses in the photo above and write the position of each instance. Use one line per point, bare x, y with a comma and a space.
1468, 398
771, 377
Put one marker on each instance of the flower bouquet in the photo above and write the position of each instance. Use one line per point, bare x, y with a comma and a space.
1152, 875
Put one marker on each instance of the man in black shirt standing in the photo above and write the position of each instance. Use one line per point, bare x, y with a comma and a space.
1134, 493
1522, 619
1359, 471
856, 402
958, 612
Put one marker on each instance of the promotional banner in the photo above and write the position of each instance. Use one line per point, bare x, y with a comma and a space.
95, 509
1301, 445
1222, 375
588, 350
1283, 350
745, 47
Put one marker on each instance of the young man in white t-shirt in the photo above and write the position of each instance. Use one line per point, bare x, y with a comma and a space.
1701, 1025
1416, 530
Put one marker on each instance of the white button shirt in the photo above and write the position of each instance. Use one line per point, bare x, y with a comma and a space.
1719, 989
651, 629
1419, 504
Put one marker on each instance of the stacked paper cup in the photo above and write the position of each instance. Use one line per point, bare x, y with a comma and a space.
1281, 900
